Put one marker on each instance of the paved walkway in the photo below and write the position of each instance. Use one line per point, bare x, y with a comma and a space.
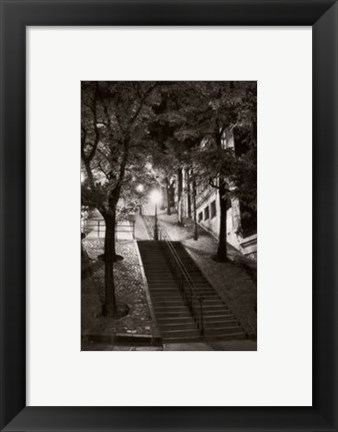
140, 229
237, 345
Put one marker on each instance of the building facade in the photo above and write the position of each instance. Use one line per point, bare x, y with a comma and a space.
241, 222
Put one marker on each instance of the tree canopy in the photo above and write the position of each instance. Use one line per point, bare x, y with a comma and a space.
114, 154
144, 132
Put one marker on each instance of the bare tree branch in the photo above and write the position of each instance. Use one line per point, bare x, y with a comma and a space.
83, 137
100, 168
123, 163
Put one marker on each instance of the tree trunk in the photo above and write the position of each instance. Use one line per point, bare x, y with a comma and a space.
109, 307
167, 185
222, 241
116, 257
189, 196
112, 211
179, 213
221, 254
179, 197
195, 210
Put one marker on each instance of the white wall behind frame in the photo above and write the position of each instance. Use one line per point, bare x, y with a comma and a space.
280, 372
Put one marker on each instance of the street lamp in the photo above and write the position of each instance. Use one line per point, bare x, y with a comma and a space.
155, 197
140, 189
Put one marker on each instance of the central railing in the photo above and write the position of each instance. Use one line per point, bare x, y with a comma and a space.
183, 280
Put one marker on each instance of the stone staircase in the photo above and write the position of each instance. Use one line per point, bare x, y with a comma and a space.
219, 321
173, 317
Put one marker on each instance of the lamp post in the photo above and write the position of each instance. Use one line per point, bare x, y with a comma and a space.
140, 189
155, 198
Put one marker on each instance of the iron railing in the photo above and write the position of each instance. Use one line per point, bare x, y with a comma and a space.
183, 280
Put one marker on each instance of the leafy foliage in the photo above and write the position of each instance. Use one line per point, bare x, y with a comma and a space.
144, 132
115, 148
114, 116
216, 111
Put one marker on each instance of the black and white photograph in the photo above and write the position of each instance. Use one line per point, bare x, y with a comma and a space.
169, 216
134, 138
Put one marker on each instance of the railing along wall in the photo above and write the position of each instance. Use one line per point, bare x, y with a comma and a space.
99, 226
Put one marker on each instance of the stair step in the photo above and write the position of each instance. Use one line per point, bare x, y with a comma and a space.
212, 301
163, 273
222, 330
218, 314
162, 284
156, 287
168, 306
174, 320
210, 305
160, 280
181, 326
172, 308
206, 291
210, 325
170, 314
182, 339
164, 291
192, 332
167, 302
211, 315
232, 336
219, 318
218, 307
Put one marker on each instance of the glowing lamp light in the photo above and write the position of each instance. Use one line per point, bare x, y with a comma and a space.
155, 196
140, 188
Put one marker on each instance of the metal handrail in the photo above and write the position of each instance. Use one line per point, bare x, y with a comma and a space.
165, 237
188, 292
183, 280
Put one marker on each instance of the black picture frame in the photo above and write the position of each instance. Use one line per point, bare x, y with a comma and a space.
15, 16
